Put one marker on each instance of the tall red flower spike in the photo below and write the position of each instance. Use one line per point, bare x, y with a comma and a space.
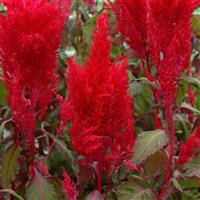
188, 149
69, 187
100, 107
169, 35
131, 18
30, 35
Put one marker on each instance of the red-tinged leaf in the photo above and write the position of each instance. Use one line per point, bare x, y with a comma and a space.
40, 189
156, 164
10, 165
42, 168
83, 177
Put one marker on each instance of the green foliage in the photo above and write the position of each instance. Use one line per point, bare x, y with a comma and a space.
133, 190
12, 192
190, 108
3, 93
147, 143
155, 163
3, 9
9, 166
40, 189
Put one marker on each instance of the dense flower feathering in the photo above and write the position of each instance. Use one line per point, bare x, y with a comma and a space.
100, 106
30, 35
188, 149
131, 18
169, 32
69, 187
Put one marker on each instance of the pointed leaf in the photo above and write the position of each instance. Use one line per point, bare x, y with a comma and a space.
61, 145
193, 168
190, 108
10, 165
10, 191
193, 81
147, 143
40, 189
156, 163
133, 190
2, 126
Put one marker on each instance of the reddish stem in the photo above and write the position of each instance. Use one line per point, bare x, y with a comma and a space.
99, 175
171, 131
32, 146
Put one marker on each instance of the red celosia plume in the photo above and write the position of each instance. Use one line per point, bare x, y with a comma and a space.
100, 107
169, 32
188, 149
69, 187
30, 35
131, 18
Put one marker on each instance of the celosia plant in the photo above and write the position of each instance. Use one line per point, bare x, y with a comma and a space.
29, 54
100, 106
126, 121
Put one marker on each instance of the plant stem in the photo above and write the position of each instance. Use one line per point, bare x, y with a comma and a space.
171, 131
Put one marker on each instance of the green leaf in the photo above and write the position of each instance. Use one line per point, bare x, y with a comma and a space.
10, 191
2, 126
88, 28
133, 190
10, 165
3, 9
40, 189
177, 185
146, 81
193, 81
196, 24
61, 145
193, 168
135, 88
155, 163
190, 108
149, 142
3, 93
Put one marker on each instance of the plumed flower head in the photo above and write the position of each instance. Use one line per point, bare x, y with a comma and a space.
131, 18
169, 35
99, 105
30, 35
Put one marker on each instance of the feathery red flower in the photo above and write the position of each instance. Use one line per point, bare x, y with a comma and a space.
131, 18
100, 106
188, 149
69, 187
169, 35
30, 35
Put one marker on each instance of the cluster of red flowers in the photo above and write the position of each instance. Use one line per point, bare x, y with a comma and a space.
188, 149
163, 32
161, 28
30, 36
100, 107
131, 17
